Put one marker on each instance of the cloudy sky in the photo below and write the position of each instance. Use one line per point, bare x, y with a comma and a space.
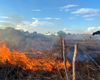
74, 16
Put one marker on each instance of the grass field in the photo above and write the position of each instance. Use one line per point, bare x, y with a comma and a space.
52, 68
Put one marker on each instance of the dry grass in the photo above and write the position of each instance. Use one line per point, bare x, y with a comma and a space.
84, 71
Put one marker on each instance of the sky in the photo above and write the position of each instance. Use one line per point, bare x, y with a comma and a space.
43, 16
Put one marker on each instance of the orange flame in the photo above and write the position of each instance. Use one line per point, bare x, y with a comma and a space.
19, 58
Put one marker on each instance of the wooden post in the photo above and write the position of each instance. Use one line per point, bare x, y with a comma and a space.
64, 57
74, 59
61, 48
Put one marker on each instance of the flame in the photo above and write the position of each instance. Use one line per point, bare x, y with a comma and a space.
19, 58
83, 41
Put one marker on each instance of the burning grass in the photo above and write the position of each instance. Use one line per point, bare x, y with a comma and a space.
20, 60
84, 71
16, 65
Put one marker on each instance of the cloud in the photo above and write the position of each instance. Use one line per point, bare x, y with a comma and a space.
48, 18
24, 25
85, 10
36, 10
69, 29
5, 17
17, 23
56, 18
90, 15
64, 29
35, 18
90, 19
42, 23
27, 26
66, 8
72, 18
92, 29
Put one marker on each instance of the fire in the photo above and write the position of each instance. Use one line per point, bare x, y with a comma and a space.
19, 58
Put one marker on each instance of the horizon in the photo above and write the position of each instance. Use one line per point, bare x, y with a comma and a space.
70, 16
48, 33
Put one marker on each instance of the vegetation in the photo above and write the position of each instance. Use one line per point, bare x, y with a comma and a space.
47, 65
84, 71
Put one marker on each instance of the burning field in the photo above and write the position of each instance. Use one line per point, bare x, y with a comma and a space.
21, 60
34, 56
15, 64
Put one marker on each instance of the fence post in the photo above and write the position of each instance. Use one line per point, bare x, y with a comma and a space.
74, 59
64, 57
61, 48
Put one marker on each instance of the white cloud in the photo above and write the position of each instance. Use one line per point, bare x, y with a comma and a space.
48, 18
42, 23
72, 18
92, 29
27, 26
5, 17
36, 10
69, 29
56, 18
90, 15
35, 18
85, 10
66, 8
24, 26
64, 29
90, 19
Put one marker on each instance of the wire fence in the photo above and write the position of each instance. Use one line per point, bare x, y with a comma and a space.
90, 57
92, 44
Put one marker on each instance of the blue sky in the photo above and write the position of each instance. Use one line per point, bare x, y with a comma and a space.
70, 16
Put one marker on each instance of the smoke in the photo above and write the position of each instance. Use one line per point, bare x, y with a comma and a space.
24, 41
11, 21
18, 39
